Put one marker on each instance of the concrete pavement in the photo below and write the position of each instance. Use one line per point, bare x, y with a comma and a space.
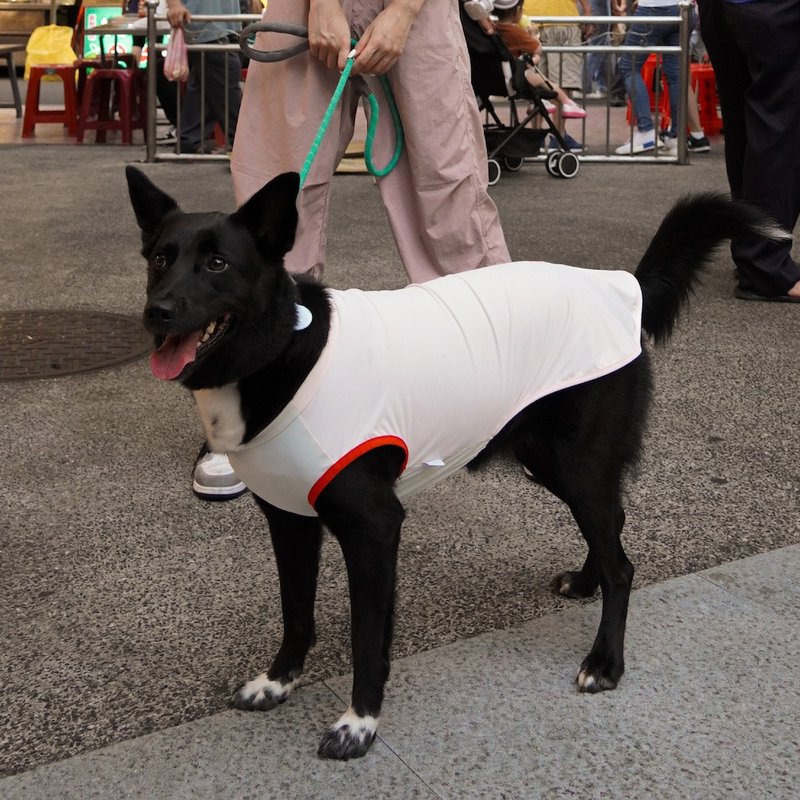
131, 610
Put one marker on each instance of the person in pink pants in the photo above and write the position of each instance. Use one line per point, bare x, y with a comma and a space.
436, 198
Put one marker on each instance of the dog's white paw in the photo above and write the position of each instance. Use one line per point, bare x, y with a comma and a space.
592, 679
262, 693
349, 737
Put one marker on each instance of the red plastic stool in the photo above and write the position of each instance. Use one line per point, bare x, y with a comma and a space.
33, 114
130, 93
704, 83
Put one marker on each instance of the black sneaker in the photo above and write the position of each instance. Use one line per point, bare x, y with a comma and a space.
574, 146
701, 145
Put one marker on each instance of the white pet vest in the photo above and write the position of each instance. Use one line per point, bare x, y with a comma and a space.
438, 369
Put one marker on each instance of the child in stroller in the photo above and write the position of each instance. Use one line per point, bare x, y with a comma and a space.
495, 73
524, 42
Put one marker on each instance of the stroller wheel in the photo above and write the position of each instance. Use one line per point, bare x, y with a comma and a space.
494, 171
513, 163
551, 164
568, 165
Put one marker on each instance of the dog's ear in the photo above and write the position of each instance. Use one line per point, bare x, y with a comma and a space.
150, 204
271, 215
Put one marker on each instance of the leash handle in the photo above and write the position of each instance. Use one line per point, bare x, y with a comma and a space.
269, 56
372, 125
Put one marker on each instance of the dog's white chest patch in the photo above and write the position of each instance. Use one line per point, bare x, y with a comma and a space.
221, 415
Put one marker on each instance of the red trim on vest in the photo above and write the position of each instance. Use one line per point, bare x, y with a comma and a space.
349, 457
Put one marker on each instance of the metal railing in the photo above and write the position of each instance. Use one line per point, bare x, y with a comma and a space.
683, 51
679, 156
154, 33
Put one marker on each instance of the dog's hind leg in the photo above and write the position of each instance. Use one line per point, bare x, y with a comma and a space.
361, 509
601, 526
594, 500
296, 541
578, 444
578, 584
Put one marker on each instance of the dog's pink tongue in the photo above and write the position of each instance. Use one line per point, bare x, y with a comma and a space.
169, 360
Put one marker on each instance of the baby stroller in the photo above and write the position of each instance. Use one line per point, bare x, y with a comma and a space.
495, 73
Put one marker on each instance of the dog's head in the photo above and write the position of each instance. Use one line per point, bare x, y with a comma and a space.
219, 301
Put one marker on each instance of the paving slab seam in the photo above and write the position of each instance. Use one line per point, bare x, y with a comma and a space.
389, 747
751, 601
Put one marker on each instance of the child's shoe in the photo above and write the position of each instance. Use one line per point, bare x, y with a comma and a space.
572, 110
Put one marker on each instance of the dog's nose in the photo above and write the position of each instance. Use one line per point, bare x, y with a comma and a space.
161, 312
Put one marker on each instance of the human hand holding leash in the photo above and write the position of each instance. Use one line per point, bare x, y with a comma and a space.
384, 40
328, 33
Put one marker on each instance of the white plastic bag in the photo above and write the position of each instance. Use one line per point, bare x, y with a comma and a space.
176, 60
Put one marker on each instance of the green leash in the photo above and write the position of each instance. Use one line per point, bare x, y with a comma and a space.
372, 125
246, 40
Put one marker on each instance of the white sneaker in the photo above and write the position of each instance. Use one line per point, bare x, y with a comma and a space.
214, 478
549, 107
668, 143
642, 141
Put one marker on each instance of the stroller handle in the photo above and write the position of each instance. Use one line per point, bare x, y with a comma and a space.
276, 27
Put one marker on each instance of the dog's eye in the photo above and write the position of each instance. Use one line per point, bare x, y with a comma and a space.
217, 264
160, 261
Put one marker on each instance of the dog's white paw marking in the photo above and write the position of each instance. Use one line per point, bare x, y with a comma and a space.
221, 414
262, 693
349, 737
586, 681
592, 681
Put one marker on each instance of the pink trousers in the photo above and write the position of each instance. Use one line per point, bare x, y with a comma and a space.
436, 198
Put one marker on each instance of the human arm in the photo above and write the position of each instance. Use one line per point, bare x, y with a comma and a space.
586, 10
478, 12
177, 13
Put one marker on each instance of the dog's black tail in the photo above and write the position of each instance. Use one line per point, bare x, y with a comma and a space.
681, 248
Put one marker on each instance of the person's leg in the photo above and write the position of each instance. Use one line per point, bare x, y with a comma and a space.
436, 198
223, 95
768, 34
282, 106
596, 63
733, 80
166, 91
640, 34
192, 128
573, 110
669, 35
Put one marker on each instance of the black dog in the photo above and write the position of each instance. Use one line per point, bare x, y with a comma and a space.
233, 327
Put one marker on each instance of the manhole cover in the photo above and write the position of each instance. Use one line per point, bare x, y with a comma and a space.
47, 344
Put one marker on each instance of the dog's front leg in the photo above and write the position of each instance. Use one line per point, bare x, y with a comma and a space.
296, 541
363, 512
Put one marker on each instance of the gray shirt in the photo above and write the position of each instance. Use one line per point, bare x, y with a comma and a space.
198, 32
